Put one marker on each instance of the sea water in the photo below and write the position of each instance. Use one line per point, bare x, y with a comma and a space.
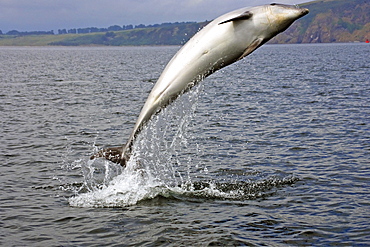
273, 150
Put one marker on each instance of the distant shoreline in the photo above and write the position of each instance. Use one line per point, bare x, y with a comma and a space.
138, 46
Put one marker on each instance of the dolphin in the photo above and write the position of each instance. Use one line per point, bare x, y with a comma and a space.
222, 42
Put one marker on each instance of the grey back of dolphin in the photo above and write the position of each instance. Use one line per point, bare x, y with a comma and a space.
222, 42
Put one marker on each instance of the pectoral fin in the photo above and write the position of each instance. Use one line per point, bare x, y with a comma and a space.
252, 47
245, 16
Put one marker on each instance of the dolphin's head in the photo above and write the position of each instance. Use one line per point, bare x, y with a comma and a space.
255, 26
259, 24
279, 17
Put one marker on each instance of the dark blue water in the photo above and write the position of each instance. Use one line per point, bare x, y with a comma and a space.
271, 151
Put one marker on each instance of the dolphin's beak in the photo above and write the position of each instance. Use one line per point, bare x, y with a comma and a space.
304, 12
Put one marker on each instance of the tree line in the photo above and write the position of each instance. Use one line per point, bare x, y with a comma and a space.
92, 29
17, 33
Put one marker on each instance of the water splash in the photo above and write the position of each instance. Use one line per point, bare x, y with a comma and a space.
162, 164
155, 167
126, 189
137, 184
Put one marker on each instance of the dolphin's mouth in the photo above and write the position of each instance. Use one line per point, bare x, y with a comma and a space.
304, 11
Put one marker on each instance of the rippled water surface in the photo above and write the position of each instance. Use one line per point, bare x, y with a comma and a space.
271, 151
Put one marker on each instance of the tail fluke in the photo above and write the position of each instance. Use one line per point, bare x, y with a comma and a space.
114, 154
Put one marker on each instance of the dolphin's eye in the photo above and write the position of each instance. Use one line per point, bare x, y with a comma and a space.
276, 4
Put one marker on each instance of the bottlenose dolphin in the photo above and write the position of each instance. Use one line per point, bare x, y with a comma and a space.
222, 42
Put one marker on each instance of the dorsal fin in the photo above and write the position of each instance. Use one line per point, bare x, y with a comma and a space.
244, 16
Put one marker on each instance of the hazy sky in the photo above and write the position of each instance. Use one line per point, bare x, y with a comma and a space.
46, 15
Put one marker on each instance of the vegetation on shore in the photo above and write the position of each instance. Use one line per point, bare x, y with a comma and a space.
328, 21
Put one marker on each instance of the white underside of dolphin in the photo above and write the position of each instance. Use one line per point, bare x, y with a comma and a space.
222, 42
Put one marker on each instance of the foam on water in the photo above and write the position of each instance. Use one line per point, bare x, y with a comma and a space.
131, 186
137, 183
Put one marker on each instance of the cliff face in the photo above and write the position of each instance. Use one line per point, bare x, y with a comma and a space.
330, 21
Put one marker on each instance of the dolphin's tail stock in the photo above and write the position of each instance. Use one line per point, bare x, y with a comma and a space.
114, 154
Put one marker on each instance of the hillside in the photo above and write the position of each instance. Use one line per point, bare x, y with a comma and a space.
328, 21
172, 35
